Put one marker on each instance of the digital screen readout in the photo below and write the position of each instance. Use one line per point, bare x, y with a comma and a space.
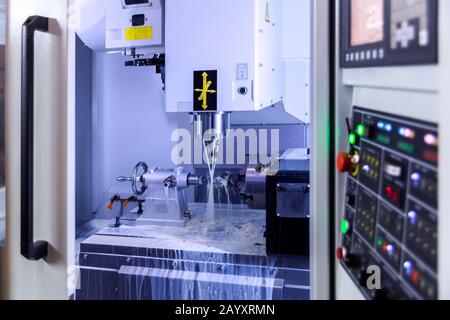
367, 22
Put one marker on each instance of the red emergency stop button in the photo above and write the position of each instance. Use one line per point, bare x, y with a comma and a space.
344, 162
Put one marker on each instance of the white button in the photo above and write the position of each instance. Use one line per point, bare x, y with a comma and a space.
381, 53
368, 55
375, 54
393, 170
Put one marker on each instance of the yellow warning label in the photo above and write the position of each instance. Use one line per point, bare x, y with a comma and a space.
267, 12
139, 33
203, 97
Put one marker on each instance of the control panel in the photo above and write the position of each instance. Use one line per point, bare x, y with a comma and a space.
390, 217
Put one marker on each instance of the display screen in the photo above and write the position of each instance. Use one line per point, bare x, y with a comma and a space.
409, 24
367, 22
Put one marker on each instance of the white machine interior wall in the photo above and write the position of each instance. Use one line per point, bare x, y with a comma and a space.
129, 124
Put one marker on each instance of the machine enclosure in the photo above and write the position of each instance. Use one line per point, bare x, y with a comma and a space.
112, 25
241, 40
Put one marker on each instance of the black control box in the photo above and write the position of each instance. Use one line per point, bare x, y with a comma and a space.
390, 219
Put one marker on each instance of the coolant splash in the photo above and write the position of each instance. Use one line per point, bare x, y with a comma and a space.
211, 155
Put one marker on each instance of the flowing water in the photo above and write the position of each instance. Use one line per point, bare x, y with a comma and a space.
211, 154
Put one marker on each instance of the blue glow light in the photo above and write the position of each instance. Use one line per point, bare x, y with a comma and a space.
388, 127
412, 215
408, 267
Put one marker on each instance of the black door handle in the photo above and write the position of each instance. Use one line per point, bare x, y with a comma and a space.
29, 248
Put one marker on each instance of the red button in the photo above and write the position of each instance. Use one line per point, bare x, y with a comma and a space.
344, 162
341, 253
415, 277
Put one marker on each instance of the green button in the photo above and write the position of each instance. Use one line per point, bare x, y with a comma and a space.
361, 130
352, 138
345, 226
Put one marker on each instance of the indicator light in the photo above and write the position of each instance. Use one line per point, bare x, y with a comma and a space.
430, 139
415, 277
410, 134
379, 242
415, 177
360, 130
388, 128
385, 126
407, 133
390, 249
345, 226
412, 215
366, 168
389, 191
395, 196
408, 266
352, 139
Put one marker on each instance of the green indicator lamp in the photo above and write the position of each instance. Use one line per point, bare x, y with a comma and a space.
361, 130
352, 139
345, 226
379, 242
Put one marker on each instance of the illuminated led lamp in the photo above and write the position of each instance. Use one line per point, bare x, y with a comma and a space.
390, 249
385, 126
407, 133
412, 215
408, 266
366, 168
430, 140
361, 130
345, 226
352, 139
388, 127
415, 177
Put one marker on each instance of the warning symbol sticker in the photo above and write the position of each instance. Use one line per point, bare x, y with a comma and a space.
267, 12
205, 90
